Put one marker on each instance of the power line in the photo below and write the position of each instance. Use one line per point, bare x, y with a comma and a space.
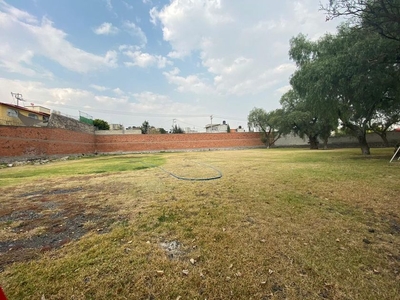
127, 113
116, 112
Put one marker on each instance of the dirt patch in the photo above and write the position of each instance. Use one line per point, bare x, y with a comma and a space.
172, 249
41, 220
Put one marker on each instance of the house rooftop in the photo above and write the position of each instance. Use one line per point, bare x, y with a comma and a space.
212, 125
24, 109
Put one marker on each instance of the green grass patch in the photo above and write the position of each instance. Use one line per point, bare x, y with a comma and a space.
82, 166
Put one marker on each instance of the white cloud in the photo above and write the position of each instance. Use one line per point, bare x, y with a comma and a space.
110, 101
41, 39
191, 83
127, 5
136, 31
280, 91
106, 29
144, 60
128, 47
118, 92
17, 14
124, 108
99, 88
109, 5
153, 102
153, 15
245, 51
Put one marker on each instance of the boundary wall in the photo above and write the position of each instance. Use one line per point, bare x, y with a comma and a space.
164, 142
373, 140
39, 142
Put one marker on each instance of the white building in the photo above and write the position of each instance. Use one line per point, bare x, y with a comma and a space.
217, 128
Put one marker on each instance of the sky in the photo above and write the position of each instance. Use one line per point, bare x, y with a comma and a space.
184, 62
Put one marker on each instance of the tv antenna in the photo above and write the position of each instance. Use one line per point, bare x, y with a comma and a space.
18, 97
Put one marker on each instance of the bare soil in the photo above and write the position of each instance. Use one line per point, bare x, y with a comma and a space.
47, 219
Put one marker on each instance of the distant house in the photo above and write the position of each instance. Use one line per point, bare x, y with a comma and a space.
116, 127
217, 128
133, 130
15, 115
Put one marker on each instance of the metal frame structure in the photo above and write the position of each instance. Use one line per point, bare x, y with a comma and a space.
394, 155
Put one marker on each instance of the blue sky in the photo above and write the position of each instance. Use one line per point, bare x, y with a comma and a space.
129, 61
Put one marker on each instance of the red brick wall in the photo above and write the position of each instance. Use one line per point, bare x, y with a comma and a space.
147, 142
31, 142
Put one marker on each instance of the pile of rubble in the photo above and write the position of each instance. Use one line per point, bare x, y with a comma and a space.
39, 161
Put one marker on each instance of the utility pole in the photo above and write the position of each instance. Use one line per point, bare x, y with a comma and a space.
173, 125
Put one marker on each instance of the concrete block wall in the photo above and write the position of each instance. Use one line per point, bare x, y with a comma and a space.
373, 140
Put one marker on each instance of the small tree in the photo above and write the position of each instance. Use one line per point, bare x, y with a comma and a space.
101, 124
177, 129
267, 122
145, 127
163, 131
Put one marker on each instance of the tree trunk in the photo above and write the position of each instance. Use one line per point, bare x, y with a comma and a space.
384, 138
362, 140
326, 143
313, 142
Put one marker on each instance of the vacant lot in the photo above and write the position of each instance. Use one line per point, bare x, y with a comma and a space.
279, 224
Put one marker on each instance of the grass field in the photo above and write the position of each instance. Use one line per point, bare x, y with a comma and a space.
279, 224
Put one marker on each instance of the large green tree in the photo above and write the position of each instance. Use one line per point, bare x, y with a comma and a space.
301, 119
381, 16
340, 74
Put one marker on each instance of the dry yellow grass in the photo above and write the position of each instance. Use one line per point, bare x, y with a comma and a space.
279, 224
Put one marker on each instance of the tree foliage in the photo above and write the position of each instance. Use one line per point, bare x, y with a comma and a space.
177, 129
101, 124
340, 74
300, 119
163, 131
381, 16
383, 120
267, 122
145, 128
